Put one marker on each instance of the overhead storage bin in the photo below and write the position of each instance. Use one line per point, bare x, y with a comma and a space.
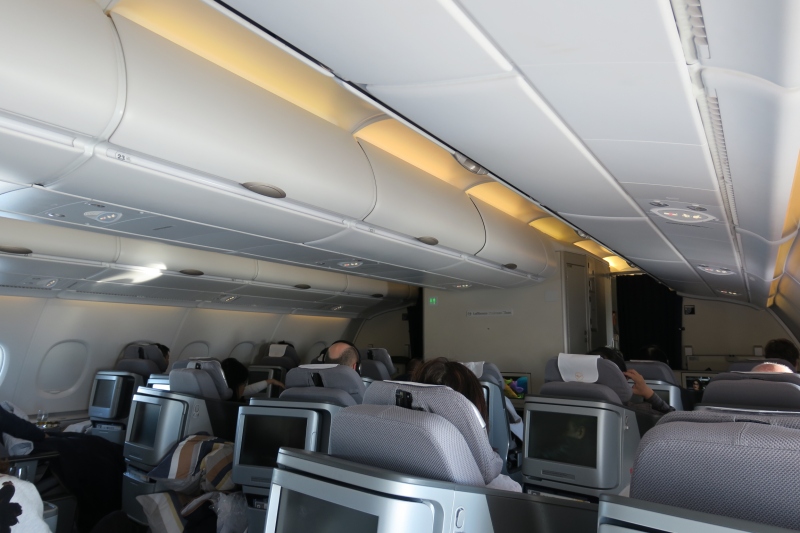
62, 81
511, 242
186, 110
280, 274
414, 203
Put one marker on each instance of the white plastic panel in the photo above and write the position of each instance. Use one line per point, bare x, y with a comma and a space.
292, 275
194, 350
519, 141
694, 289
668, 193
59, 63
113, 181
228, 240
477, 273
61, 368
31, 266
298, 295
759, 290
758, 38
417, 204
675, 165
643, 102
759, 255
577, 31
243, 352
759, 121
705, 230
698, 249
632, 237
668, 271
367, 245
509, 240
28, 158
186, 110
142, 293
376, 42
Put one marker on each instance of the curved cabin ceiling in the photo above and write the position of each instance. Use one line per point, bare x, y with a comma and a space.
632, 120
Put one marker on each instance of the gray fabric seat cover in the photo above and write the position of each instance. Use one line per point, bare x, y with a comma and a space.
142, 359
763, 390
379, 435
193, 381
742, 469
492, 374
382, 355
455, 408
749, 365
143, 367
609, 375
212, 368
375, 370
580, 391
341, 384
281, 355
654, 370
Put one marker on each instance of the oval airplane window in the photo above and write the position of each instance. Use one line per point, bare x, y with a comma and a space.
62, 367
243, 352
194, 350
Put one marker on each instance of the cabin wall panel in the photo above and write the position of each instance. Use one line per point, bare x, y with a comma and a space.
720, 328
389, 331
522, 342
306, 332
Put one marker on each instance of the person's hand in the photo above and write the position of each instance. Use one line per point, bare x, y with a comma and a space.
639, 386
276, 383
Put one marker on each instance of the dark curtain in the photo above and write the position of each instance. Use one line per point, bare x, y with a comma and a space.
648, 313
415, 327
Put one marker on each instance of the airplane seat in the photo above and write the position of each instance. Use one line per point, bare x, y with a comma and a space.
376, 364
749, 364
142, 359
500, 435
205, 379
450, 442
336, 384
753, 391
662, 380
110, 403
279, 357
588, 376
700, 466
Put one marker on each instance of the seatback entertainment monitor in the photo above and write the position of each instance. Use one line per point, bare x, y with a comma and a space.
155, 425
111, 396
261, 432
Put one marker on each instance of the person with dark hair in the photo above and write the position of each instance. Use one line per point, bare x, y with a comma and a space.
461, 379
782, 349
342, 353
640, 388
411, 366
237, 376
164, 352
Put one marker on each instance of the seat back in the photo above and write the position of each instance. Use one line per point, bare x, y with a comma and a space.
380, 355
110, 403
749, 364
449, 438
742, 466
338, 384
587, 377
279, 355
753, 390
199, 377
654, 371
142, 359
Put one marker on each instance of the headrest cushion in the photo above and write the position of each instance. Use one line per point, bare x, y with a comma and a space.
332, 376
145, 351
382, 355
609, 375
214, 370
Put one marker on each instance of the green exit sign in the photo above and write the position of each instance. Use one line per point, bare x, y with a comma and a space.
432, 301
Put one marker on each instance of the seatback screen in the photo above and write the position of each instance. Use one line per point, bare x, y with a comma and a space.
263, 436
145, 424
563, 438
301, 513
103, 393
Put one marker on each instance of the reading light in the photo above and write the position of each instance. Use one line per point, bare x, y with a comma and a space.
685, 216
227, 298
263, 189
55, 215
717, 271
302, 286
582, 234
462, 286
106, 217
191, 272
348, 264
469, 164
17, 250
656, 203
729, 293
336, 308
430, 241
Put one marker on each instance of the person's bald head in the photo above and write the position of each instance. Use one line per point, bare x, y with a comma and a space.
341, 353
773, 367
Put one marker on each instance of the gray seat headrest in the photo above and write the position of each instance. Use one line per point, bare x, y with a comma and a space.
377, 435
149, 352
327, 376
382, 355
609, 375
143, 367
653, 370
374, 370
453, 407
760, 390
492, 374
750, 364
580, 391
212, 368
747, 469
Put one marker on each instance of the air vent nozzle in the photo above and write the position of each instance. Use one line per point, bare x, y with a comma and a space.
302, 286
17, 250
270, 191
191, 272
430, 241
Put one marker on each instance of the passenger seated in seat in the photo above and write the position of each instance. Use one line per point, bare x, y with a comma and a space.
88, 466
782, 349
653, 352
412, 365
237, 375
640, 388
164, 352
772, 367
461, 379
341, 353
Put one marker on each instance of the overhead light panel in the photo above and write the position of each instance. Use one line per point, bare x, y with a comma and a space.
462, 286
227, 298
336, 308
684, 216
349, 264
729, 293
105, 217
717, 271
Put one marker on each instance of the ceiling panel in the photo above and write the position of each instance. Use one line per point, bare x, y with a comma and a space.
667, 193
518, 141
539, 32
706, 230
668, 270
695, 289
376, 42
655, 163
697, 250
631, 237
623, 101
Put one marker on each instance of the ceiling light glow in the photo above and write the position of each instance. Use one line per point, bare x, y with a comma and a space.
729, 293
462, 286
105, 217
349, 264
684, 216
717, 271
227, 298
